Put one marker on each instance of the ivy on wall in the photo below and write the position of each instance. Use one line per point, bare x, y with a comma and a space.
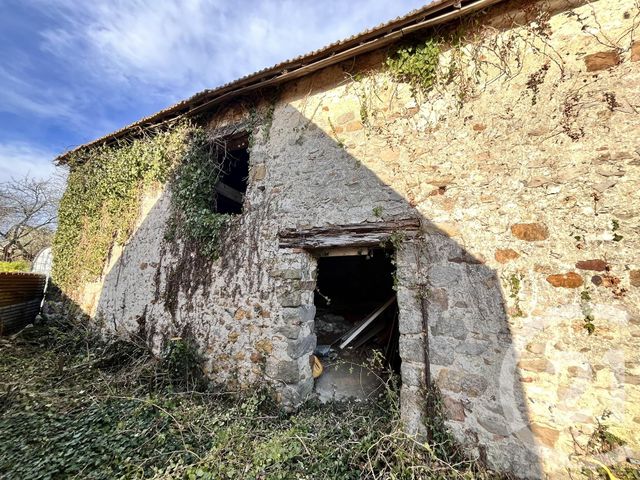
193, 187
416, 64
102, 202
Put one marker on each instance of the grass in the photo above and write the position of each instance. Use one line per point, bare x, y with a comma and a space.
73, 405
17, 266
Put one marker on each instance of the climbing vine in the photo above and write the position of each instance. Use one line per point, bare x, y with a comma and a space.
587, 311
102, 202
416, 64
193, 194
514, 282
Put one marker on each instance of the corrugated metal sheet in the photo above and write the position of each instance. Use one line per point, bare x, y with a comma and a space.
434, 13
20, 298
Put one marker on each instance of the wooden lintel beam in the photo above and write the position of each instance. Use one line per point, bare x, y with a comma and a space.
354, 235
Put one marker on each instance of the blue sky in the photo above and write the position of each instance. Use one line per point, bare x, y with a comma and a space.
74, 70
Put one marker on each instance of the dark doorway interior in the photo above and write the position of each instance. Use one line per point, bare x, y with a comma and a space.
349, 290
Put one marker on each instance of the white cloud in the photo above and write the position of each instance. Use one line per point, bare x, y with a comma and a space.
94, 66
173, 48
18, 159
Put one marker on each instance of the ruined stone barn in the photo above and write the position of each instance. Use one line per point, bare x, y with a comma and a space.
454, 195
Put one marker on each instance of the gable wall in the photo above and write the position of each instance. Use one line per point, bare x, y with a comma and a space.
521, 165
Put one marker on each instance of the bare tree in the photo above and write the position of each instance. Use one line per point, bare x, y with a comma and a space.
28, 208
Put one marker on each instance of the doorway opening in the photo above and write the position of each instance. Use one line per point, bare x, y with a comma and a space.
356, 322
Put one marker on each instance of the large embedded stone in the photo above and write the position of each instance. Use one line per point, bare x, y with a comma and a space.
302, 314
634, 278
303, 346
545, 434
259, 172
462, 382
412, 374
286, 371
635, 51
472, 348
410, 320
412, 348
602, 60
530, 232
538, 365
438, 297
506, 255
494, 423
441, 351
291, 331
295, 394
411, 407
595, 265
453, 327
565, 280
264, 346
290, 299
454, 409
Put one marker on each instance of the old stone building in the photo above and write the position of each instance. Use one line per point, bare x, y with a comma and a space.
474, 165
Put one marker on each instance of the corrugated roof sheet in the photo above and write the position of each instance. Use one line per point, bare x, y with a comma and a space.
301, 65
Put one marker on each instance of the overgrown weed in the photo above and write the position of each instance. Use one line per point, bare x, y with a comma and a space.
76, 404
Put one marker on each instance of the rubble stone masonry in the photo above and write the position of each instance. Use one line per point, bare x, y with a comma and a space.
523, 165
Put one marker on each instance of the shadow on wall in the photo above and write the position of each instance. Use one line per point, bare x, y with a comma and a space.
247, 309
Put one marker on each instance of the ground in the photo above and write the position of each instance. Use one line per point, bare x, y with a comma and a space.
73, 405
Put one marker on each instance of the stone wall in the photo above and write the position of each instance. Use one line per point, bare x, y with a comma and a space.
523, 164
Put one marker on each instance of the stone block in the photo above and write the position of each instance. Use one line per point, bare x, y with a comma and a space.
290, 299
345, 118
595, 265
412, 348
536, 348
301, 314
602, 60
354, 126
441, 351
291, 274
410, 320
635, 51
539, 365
259, 172
530, 232
264, 346
444, 274
546, 435
411, 408
454, 409
450, 327
462, 382
290, 331
506, 255
634, 278
286, 371
438, 298
299, 347
472, 348
565, 280
493, 423
295, 394
412, 374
